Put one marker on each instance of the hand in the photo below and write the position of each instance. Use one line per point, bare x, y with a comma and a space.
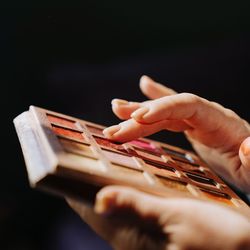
130, 219
217, 134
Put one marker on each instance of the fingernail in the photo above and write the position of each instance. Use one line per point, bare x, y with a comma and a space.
119, 102
102, 204
144, 78
139, 113
245, 148
108, 132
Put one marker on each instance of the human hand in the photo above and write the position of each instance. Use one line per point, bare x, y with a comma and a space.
217, 134
130, 219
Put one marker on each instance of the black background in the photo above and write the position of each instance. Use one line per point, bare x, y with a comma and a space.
76, 59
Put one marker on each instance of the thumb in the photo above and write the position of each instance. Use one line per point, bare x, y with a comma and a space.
154, 90
244, 153
115, 199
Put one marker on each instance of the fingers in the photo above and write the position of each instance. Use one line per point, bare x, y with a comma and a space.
194, 110
185, 108
154, 90
131, 129
112, 199
150, 88
181, 106
205, 121
123, 108
169, 112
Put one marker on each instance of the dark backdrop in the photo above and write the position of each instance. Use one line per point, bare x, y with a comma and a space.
76, 59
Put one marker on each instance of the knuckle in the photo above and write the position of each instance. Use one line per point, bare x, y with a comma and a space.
191, 97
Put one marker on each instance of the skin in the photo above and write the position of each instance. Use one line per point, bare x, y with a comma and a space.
158, 223
218, 135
